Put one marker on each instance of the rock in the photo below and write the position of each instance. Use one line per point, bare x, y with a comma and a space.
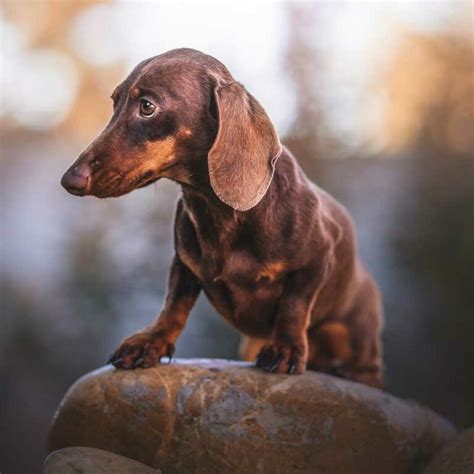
211, 416
456, 458
92, 461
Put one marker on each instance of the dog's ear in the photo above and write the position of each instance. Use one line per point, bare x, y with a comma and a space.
242, 159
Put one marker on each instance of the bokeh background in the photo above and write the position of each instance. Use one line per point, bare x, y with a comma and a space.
376, 100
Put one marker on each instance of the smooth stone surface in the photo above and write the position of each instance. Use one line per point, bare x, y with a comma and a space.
92, 461
214, 416
457, 457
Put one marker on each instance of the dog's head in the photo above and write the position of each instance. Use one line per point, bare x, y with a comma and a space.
181, 115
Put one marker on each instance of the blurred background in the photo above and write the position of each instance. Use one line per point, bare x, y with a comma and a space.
376, 99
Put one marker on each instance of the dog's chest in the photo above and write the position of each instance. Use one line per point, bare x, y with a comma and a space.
225, 261
233, 268
244, 289
228, 264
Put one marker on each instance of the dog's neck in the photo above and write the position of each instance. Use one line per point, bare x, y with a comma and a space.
214, 218
198, 195
204, 204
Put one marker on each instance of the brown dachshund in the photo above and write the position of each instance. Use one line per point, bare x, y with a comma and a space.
275, 254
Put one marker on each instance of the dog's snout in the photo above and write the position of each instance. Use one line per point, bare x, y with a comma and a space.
76, 180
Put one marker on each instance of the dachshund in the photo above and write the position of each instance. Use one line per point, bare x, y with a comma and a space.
274, 253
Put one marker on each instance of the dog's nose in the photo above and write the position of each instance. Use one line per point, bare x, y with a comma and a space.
76, 180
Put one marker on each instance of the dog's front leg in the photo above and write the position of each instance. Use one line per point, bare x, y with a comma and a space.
147, 347
288, 352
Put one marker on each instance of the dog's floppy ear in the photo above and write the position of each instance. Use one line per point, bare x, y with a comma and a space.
242, 159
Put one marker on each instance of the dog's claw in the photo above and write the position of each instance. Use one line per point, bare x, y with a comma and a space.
142, 350
264, 359
281, 358
272, 366
117, 361
169, 352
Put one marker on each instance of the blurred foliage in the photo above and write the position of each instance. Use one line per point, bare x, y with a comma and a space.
430, 89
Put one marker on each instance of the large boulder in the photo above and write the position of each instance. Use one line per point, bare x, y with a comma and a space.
212, 416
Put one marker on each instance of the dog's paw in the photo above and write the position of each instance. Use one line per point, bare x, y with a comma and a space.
282, 358
144, 349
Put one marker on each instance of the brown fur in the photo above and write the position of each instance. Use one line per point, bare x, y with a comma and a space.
275, 254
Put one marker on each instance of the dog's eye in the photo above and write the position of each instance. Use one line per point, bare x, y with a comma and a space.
146, 108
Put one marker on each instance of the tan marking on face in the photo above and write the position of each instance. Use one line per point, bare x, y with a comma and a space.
272, 271
134, 92
152, 159
186, 132
161, 152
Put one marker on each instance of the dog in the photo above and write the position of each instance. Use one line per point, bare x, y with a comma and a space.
275, 254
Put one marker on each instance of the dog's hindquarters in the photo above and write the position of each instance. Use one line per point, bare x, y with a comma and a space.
350, 345
347, 346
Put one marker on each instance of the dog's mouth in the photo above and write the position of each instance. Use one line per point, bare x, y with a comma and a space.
111, 186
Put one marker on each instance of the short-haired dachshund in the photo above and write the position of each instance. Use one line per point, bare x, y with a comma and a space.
274, 253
